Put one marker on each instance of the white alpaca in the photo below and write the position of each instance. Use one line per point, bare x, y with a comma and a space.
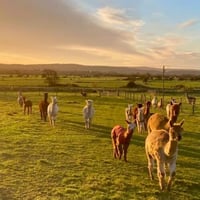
129, 113
88, 113
52, 111
140, 120
154, 101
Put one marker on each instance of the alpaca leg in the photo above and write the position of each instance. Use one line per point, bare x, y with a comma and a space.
161, 174
41, 114
125, 148
138, 126
150, 166
90, 122
50, 121
85, 123
142, 127
115, 153
53, 122
172, 173
120, 151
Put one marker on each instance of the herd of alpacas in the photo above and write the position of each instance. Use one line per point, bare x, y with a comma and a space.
161, 143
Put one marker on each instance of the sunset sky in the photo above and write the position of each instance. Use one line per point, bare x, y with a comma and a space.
101, 32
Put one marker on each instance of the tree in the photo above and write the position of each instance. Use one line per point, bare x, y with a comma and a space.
50, 76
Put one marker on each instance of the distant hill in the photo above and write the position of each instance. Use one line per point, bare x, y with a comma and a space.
85, 69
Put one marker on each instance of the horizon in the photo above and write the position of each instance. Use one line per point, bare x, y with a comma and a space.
105, 66
147, 33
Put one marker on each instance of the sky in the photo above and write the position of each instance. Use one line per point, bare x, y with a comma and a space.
130, 33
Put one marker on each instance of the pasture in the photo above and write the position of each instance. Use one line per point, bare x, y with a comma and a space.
67, 161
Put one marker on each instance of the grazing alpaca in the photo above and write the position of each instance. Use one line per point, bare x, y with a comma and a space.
162, 146
190, 99
159, 121
129, 113
154, 101
52, 111
121, 138
43, 105
88, 113
20, 99
27, 105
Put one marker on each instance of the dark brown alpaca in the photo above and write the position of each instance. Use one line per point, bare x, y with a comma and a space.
43, 107
147, 113
27, 106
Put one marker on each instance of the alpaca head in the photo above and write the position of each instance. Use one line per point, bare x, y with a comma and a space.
89, 102
54, 100
130, 126
175, 131
174, 111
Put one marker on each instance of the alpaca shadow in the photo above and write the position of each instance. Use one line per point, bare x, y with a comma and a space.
103, 132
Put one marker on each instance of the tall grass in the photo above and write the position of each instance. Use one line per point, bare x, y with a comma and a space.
69, 162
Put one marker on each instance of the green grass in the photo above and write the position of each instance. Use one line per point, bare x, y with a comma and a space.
69, 162
94, 82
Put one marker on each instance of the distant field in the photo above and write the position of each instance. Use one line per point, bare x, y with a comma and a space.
68, 162
94, 82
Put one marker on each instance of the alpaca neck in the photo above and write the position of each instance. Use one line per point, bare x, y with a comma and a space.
128, 135
171, 147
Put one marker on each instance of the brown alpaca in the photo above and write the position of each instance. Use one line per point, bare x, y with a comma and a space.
159, 121
147, 113
27, 105
162, 146
43, 105
121, 138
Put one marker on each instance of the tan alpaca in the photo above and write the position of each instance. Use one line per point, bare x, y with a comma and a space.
162, 146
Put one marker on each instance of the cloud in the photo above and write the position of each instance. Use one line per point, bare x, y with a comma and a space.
189, 23
42, 25
119, 17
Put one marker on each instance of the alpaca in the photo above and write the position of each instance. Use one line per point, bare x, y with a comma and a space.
160, 103
84, 94
173, 109
154, 101
121, 138
52, 111
141, 115
88, 113
162, 146
140, 119
20, 99
159, 121
43, 105
190, 99
27, 106
129, 113
147, 113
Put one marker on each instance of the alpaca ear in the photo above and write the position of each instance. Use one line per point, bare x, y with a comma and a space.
170, 123
128, 122
182, 122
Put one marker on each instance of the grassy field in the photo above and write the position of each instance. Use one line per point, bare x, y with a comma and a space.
67, 162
